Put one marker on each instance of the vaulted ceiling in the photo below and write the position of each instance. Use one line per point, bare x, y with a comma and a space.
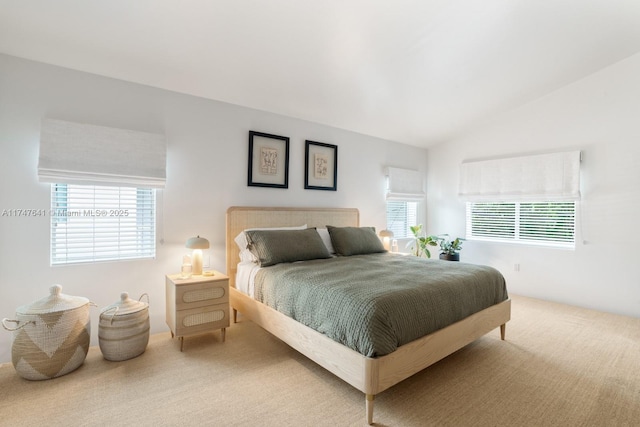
413, 71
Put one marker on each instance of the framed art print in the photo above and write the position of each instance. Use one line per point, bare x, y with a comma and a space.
321, 166
268, 160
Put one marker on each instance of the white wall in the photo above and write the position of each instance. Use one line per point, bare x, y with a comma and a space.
207, 173
599, 115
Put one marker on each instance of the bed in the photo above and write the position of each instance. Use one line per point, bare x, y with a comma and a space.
369, 374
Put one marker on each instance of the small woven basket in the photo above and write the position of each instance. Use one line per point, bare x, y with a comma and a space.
51, 336
123, 331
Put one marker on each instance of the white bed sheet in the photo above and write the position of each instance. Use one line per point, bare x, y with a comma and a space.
245, 277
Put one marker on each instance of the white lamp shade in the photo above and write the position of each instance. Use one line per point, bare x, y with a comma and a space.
386, 233
197, 243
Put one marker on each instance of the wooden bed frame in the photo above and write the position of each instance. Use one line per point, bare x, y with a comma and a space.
367, 374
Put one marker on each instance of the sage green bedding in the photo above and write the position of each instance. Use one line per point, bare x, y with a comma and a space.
377, 302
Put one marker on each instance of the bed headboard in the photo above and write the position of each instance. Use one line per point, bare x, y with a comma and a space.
241, 217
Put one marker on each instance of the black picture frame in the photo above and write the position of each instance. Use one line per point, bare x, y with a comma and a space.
268, 160
320, 166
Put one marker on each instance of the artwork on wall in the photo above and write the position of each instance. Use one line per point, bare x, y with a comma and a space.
268, 160
321, 166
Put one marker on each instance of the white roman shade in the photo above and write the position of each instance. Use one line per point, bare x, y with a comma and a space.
75, 153
542, 177
404, 184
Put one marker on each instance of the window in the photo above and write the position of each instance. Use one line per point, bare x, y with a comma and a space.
400, 216
542, 223
100, 223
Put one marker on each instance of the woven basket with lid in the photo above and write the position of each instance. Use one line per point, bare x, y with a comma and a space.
123, 331
51, 336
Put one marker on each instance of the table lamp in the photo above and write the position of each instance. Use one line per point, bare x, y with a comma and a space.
386, 236
197, 244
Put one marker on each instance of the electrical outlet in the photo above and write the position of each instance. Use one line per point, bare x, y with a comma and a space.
516, 267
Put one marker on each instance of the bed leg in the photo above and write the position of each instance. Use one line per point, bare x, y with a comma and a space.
369, 408
235, 316
503, 329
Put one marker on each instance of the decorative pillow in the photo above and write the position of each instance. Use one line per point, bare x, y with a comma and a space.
326, 239
278, 246
355, 240
241, 240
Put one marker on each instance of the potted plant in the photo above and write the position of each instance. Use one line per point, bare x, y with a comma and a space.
450, 249
421, 242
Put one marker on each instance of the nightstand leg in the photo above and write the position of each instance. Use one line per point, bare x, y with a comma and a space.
181, 343
224, 333
235, 316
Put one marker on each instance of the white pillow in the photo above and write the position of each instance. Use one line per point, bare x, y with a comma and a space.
243, 244
247, 256
326, 239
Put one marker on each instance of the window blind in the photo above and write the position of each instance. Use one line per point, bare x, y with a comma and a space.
400, 216
543, 177
404, 184
97, 155
548, 222
101, 223
491, 220
538, 223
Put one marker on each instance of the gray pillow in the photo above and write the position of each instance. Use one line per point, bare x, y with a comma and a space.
277, 246
355, 240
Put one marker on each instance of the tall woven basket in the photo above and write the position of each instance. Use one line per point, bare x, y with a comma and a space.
50, 336
123, 331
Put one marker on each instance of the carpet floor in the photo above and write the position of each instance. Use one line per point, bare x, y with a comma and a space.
560, 366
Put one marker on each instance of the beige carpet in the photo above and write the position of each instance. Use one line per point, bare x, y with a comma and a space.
560, 366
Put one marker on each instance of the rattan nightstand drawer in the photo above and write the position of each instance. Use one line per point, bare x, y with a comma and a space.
201, 294
202, 319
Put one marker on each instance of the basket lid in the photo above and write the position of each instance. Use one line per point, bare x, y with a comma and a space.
126, 305
56, 301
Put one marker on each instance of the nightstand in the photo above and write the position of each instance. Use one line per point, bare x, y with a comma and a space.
197, 304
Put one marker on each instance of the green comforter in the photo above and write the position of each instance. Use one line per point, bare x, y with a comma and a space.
378, 302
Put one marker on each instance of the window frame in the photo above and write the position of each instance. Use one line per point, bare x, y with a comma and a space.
98, 223
390, 222
531, 225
